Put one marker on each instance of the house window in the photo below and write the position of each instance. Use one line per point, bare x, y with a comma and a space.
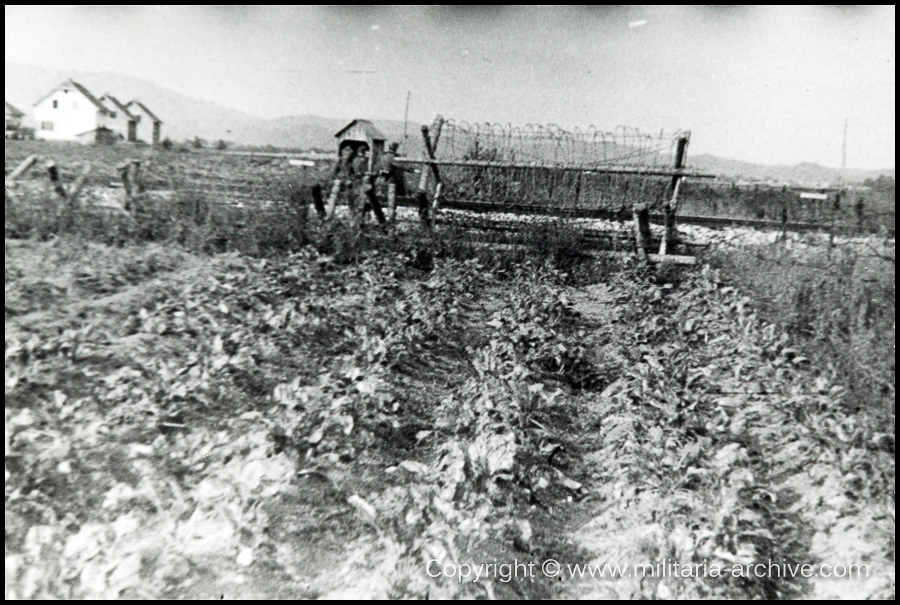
47, 125
55, 104
112, 114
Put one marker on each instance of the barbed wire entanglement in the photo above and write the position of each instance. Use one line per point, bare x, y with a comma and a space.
550, 167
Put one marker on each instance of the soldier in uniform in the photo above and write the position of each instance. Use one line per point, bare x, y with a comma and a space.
342, 178
359, 171
390, 177
391, 171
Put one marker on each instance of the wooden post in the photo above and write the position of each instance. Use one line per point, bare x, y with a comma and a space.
423, 176
392, 200
424, 207
137, 183
318, 204
671, 204
22, 168
124, 170
53, 173
578, 188
430, 147
333, 196
639, 234
79, 183
831, 228
784, 219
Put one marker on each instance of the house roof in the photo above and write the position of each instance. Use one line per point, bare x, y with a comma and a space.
11, 110
367, 126
72, 84
145, 110
118, 105
84, 91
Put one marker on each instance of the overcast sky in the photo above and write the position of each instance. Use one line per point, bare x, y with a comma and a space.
761, 84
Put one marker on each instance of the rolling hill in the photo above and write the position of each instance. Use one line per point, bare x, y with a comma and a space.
186, 117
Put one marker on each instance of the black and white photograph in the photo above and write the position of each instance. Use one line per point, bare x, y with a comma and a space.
450, 302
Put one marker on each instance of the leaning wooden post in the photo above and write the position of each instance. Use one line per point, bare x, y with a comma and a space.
79, 183
432, 151
22, 168
333, 196
671, 205
421, 194
53, 173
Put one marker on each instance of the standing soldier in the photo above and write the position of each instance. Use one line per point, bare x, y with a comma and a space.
342, 179
391, 174
359, 170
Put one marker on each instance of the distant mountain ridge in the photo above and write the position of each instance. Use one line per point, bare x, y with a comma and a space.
186, 117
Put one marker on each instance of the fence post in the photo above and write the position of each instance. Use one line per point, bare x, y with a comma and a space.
836, 207
318, 204
53, 173
137, 183
639, 234
430, 150
79, 183
422, 195
333, 196
671, 205
392, 200
22, 168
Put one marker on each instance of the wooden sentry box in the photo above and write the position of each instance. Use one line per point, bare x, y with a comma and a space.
362, 134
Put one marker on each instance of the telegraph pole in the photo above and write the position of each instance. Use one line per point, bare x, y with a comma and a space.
406, 117
844, 152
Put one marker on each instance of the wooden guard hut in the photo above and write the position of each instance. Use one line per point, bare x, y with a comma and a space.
362, 134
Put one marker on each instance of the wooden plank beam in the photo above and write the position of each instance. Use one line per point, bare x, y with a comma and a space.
585, 168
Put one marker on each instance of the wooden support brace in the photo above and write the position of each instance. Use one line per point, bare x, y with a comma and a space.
22, 168
430, 149
333, 196
671, 205
80, 182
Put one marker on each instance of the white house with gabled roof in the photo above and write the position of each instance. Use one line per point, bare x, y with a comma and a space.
149, 126
13, 119
121, 122
70, 112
